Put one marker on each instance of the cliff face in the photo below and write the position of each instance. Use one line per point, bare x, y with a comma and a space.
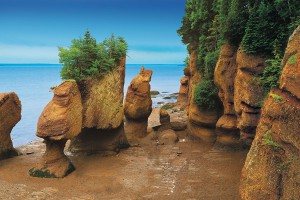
248, 94
102, 99
10, 115
103, 112
201, 122
225, 73
272, 167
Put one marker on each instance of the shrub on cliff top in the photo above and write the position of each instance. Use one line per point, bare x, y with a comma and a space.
206, 95
86, 59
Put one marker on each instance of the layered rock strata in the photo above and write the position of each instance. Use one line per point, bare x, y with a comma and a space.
225, 73
103, 113
272, 168
138, 105
248, 94
60, 120
10, 115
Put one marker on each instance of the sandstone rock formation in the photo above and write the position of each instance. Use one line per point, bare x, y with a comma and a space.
272, 168
10, 115
225, 73
183, 91
60, 120
201, 122
138, 105
103, 113
164, 119
168, 136
248, 94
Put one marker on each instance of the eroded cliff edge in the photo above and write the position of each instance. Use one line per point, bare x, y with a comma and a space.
272, 166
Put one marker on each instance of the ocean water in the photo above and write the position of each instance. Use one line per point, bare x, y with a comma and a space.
32, 84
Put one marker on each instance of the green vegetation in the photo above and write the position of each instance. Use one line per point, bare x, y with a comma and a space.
269, 141
154, 92
206, 95
186, 71
292, 60
261, 27
86, 59
276, 97
187, 60
168, 106
271, 74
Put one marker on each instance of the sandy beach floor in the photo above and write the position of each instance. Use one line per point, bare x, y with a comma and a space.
187, 170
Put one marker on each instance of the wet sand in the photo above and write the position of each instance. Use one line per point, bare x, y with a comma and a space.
186, 170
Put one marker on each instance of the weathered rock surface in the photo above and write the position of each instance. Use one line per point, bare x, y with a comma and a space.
138, 105
201, 122
60, 120
225, 72
10, 115
62, 117
168, 136
272, 168
103, 113
183, 91
248, 94
164, 119
102, 99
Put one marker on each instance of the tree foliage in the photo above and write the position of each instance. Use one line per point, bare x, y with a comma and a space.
86, 59
261, 27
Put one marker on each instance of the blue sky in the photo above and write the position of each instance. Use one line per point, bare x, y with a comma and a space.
31, 30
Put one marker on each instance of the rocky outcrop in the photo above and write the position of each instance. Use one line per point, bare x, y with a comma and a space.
60, 120
183, 91
10, 115
138, 105
103, 113
164, 119
201, 122
272, 168
248, 94
225, 73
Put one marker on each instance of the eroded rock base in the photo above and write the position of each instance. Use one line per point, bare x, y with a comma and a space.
92, 140
54, 164
135, 130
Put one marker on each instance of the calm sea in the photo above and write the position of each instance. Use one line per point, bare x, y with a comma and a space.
32, 83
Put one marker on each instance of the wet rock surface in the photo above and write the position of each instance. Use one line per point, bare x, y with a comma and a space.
10, 115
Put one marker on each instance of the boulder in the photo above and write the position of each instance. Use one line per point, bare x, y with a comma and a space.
10, 115
60, 120
164, 119
138, 105
272, 168
168, 137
